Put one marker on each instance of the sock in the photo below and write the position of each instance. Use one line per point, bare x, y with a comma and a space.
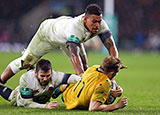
58, 91
5, 92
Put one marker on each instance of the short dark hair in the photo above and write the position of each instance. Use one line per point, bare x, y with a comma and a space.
93, 9
44, 65
110, 64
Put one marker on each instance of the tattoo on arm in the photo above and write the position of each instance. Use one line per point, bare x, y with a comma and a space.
108, 43
72, 47
107, 40
74, 51
105, 35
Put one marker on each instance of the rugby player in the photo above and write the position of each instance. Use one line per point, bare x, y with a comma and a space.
37, 86
69, 34
93, 89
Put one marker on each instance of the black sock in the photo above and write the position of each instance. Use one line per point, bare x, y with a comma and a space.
5, 92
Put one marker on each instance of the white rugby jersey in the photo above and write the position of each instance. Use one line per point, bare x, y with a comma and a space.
31, 94
58, 30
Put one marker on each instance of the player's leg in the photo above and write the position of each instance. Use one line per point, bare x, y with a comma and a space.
14, 67
6, 75
35, 50
5, 92
9, 72
24, 62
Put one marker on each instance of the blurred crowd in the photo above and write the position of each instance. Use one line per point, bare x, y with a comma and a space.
138, 22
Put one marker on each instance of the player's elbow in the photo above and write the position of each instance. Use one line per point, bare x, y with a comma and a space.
94, 105
92, 108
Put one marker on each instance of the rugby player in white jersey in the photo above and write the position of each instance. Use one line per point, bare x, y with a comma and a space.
69, 34
37, 87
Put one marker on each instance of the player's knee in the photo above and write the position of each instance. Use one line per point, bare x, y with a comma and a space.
15, 65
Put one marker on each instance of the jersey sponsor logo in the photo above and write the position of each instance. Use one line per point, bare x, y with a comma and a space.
26, 92
73, 38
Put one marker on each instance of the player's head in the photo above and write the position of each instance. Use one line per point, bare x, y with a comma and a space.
92, 18
43, 71
111, 65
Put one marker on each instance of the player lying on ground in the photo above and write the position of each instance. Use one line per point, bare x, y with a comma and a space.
93, 89
37, 86
69, 34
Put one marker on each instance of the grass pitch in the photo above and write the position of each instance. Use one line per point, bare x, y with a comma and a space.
140, 82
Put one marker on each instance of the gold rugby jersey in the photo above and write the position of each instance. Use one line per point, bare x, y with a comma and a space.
93, 85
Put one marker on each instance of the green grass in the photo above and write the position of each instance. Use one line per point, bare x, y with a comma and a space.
140, 82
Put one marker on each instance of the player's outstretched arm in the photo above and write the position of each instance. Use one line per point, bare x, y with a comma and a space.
109, 43
52, 105
97, 106
74, 52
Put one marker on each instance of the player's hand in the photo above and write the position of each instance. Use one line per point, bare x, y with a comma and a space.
117, 93
122, 102
52, 105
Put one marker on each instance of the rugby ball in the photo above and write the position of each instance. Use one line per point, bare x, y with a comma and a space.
110, 98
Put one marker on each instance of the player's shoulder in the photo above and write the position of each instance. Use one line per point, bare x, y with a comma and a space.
28, 77
64, 18
104, 26
78, 22
94, 67
56, 74
103, 22
50, 21
104, 80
